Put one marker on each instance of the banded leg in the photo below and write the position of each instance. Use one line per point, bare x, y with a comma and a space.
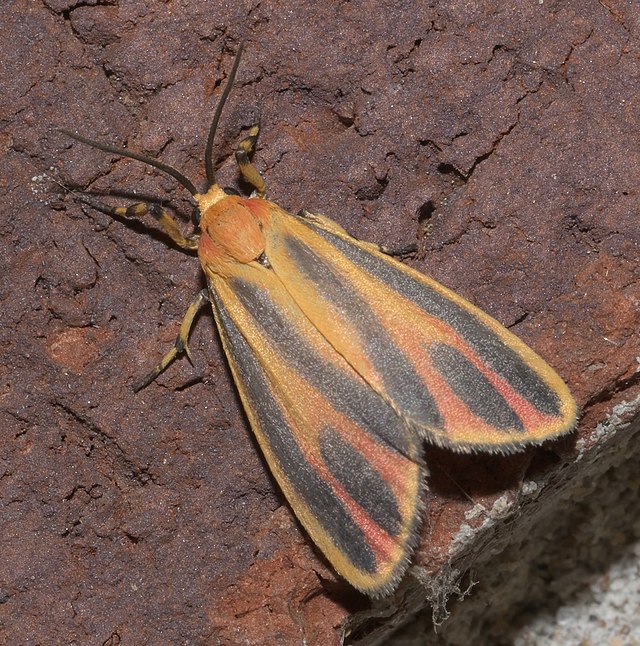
166, 222
247, 167
399, 252
407, 250
180, 344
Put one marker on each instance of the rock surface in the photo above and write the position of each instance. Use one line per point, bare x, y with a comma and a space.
502, 136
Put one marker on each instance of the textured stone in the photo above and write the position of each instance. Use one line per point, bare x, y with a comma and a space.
502, 136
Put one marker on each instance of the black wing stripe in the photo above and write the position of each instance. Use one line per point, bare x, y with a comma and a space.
361, 480
343, 387
502, 359
474, 389
316, 494
402, 383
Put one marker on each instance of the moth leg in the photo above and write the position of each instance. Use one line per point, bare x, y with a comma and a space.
399, 252
332, 227
166, 222
247, 167
180, 344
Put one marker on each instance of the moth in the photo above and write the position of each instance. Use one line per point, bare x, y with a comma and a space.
347, 361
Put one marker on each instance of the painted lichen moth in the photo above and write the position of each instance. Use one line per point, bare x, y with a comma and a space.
346, 361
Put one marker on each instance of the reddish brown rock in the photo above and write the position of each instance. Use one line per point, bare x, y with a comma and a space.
503, 136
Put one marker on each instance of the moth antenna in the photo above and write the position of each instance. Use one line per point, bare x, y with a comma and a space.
123, 152
208, 160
